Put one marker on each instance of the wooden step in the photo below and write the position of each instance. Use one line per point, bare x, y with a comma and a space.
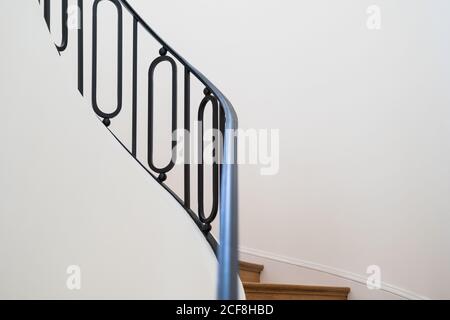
260, 291
250, 272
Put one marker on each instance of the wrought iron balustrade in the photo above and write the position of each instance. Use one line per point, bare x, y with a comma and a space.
224, 189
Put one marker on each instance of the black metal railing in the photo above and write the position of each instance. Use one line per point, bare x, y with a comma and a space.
224, 191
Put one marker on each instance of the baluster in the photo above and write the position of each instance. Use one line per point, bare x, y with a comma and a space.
215, 167
187, 142
107, 116
64, 27
134, 103
47, 12
80, 47
65, 33
162, 58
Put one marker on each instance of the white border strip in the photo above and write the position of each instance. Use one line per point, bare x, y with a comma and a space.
403, 293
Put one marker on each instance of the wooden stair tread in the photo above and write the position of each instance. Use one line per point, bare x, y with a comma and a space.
252, 267
268, 291
254, 290
250, 272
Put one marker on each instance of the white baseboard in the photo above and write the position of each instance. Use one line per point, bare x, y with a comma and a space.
360, 279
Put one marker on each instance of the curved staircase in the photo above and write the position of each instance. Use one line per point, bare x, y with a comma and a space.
138, 220
112, 238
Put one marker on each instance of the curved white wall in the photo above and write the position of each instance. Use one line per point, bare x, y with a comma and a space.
364, 123
70, 195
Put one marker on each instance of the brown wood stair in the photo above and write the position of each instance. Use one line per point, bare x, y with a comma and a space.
250, 274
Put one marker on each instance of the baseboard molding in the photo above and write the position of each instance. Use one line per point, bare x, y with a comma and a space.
361, 279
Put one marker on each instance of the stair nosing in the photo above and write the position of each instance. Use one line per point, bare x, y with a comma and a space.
295, 289
248, 266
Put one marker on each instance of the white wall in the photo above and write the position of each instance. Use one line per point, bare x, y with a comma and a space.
70, 195
364, 119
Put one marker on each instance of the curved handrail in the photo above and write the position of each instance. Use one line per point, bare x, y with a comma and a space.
228, 201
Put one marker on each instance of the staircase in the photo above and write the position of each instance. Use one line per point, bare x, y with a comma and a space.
250, 274
223, 191
199, 93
